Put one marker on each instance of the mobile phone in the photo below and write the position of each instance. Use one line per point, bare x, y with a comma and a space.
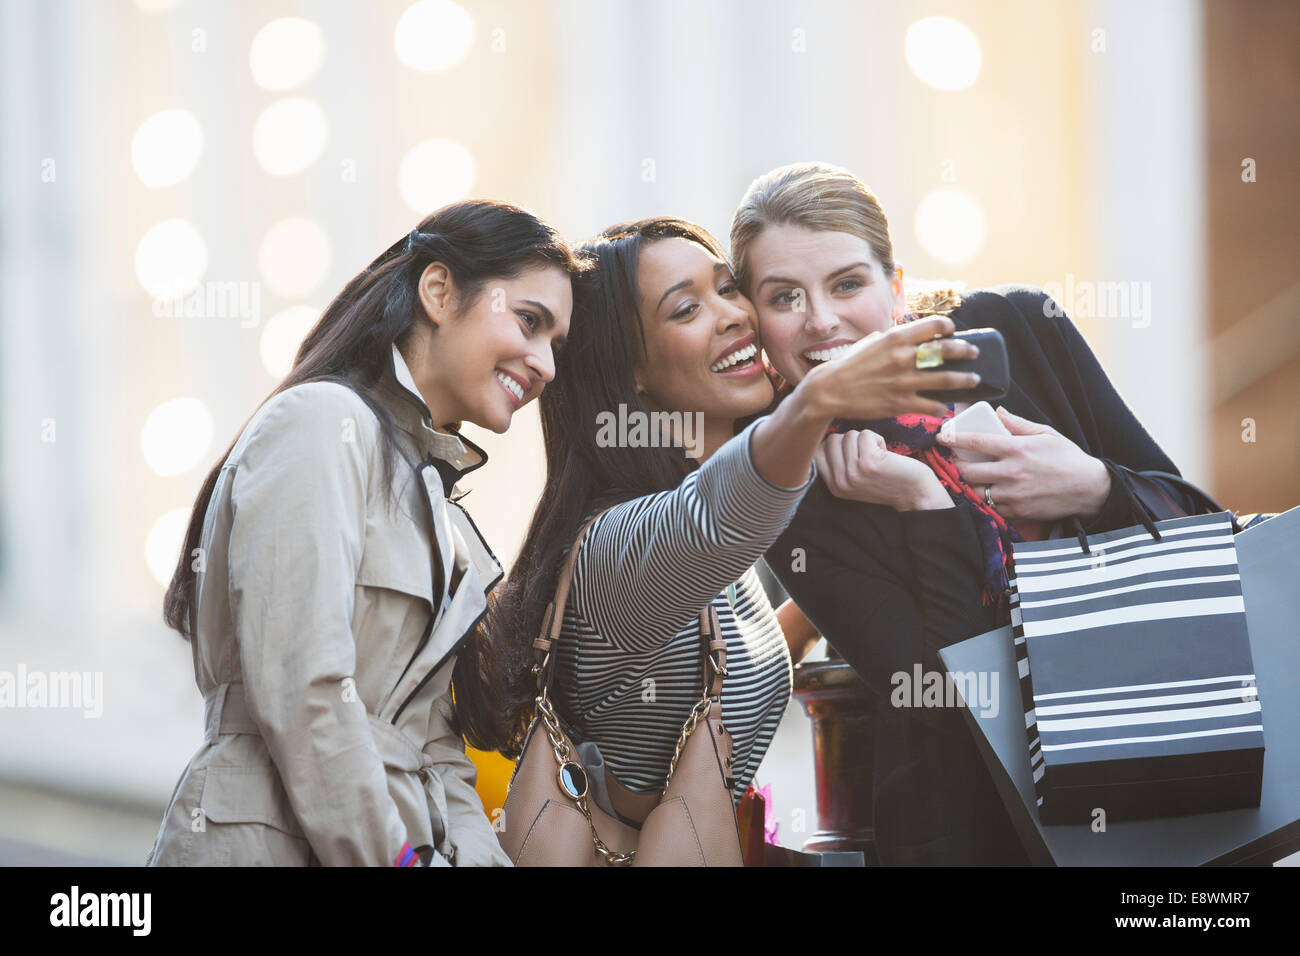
992, 366
980, 418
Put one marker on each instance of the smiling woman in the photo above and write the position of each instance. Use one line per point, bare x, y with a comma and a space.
330, 585
486, 353
663, 329
911, 546
831, 281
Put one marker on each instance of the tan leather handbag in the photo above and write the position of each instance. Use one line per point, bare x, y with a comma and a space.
549, 816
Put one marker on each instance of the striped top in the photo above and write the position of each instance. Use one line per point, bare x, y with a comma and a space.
628, 667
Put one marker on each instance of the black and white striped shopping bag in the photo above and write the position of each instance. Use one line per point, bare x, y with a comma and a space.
1135, 672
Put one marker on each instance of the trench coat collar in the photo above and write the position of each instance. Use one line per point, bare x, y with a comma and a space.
454, 455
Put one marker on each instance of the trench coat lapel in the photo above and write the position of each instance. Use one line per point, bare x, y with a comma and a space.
458, 550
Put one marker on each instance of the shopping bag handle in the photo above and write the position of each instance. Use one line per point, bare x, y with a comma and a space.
1136, 506
1205, 504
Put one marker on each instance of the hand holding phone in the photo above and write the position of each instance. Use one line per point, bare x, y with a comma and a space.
877, 376
992, 366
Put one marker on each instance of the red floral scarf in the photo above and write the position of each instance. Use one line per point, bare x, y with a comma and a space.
917, 437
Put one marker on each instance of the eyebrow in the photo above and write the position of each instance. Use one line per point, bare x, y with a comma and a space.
838, 272
686, 283
548, 317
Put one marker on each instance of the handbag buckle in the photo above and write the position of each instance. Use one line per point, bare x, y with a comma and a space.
717, 668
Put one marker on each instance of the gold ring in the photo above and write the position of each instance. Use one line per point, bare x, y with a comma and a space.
929, 354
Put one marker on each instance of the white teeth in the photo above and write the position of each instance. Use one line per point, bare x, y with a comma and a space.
511, 384
749, 351
824, 355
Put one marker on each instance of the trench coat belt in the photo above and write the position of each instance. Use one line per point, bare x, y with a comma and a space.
225, 711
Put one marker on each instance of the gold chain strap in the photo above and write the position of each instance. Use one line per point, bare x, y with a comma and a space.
699, 712
560, 747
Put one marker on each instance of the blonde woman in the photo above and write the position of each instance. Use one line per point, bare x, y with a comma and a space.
906, 547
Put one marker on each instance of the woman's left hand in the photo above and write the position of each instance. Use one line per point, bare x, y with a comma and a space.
1038, 474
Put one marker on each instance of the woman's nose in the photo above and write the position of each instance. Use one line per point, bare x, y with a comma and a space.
820, 321
731, 315
542, 364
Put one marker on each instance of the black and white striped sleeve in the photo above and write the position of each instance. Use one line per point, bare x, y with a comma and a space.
647, 566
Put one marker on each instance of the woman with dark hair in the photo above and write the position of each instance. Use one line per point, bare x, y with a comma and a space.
908, 547
664, 334
328, 579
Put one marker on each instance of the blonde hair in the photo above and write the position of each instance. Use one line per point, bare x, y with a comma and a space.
827, 198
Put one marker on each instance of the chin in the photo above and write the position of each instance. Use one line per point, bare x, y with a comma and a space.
492, 419
755, 399
791, 371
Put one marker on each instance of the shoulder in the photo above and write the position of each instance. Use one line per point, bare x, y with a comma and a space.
1028, 318
1006, 305
607, 526
313, 420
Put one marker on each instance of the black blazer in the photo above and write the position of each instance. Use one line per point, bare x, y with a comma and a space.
887, 589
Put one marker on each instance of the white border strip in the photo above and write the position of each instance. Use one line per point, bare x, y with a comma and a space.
1127, 687
1142, 740
1164, 611
1146, 717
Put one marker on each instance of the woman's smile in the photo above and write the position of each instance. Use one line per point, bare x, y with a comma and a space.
739, 359
826, 351
513, 386
702, 343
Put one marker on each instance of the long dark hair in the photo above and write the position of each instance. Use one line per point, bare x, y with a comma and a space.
594, 374
478, 241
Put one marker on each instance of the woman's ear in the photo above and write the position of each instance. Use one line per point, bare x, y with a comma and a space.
638, 376
436, 292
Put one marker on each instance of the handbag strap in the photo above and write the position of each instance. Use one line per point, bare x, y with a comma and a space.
714, 670
713, 645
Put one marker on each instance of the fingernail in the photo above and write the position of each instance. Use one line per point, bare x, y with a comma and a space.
975, 378
977, 351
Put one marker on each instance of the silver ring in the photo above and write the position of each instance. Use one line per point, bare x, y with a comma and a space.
988, 496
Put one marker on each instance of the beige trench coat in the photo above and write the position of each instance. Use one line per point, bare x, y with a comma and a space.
324, 668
